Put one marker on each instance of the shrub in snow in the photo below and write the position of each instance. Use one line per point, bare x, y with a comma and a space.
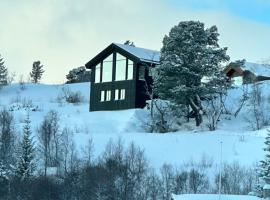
162, 117
69, 96
22, 83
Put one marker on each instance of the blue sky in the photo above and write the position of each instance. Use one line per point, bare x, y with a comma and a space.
64, 34
255, 10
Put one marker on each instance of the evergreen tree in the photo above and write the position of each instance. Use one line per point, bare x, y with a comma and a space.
264, 168
190, 65
26, 164
37, 71
78, 75
3, 73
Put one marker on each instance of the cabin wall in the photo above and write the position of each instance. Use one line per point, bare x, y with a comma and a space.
128, 102
128, 85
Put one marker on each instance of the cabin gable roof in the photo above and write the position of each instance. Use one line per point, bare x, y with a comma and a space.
135, 54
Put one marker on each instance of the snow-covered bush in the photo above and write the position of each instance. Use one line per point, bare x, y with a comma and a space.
22, 83
162, 117
70, 96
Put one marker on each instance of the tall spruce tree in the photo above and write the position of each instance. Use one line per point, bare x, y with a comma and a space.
190, 65
26, 163
37, 71
264, 168
3, 72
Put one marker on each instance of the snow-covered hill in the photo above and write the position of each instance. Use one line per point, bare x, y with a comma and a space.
239, 143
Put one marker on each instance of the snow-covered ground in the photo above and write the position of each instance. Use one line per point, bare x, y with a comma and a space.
213, 197
238, 141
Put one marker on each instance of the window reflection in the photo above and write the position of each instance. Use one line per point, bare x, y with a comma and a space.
107, 69
97, 74
120, 71
130, 70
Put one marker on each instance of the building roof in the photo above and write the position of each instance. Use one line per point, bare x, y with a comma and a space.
136, 53
255, 68
145, 55
258, 69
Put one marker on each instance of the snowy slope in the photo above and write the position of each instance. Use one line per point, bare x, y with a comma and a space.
213, 197
239, 143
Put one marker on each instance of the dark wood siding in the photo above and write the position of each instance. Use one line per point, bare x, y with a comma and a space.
135, 90
128, 102
128, 85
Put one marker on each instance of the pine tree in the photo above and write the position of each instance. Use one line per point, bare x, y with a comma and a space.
3, 73
26, 163
37, 71
190, 60
264, 168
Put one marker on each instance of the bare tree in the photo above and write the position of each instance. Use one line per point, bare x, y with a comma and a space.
88, 152
49, 140
258, 116
243, 99
167, 177
7, 139
198, 182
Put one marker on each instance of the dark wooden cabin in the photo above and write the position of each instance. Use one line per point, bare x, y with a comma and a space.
250, 72
121, 77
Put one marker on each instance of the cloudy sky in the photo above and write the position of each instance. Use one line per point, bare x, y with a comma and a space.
64, 34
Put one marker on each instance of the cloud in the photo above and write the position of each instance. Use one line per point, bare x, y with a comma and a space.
64, 34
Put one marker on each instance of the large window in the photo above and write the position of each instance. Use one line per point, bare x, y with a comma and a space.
120, 71
97, 74
130, 70
107, 69
123, 69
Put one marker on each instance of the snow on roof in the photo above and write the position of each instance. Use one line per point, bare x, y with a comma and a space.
213, 197
266, 187
258, 69
145, 55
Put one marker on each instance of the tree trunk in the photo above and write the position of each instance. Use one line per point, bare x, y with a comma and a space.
196, 107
